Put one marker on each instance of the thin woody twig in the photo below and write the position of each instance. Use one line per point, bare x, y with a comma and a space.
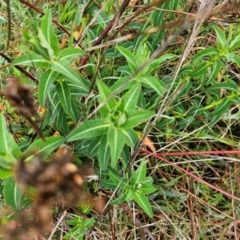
56, 226
105, 32
203, 14
27, 74
32, 6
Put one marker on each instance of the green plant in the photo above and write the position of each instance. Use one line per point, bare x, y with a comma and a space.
181, 100
115, 127
58, 80
79, 227
136, 188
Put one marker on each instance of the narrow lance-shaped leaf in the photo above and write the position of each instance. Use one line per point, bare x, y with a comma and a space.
215, 70
134, 118
7, 160
220, 110
45, 44
12, 195
61, 122
222, 107
211, 51
131, 137
231, 86
88, 129
153, 83
64, 96
116, 179
156, 62
116, 141
147, 189
104, 93
45, 82
7, 143
236, 59
44, 147
5, 173
63, 67
221, 38
140, 174
129, 100
49, 33
143, 202
130, 57
32, 60
93, 147
120, 199
103, 153
70, 54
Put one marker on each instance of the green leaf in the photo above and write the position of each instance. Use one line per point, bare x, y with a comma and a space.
116, 141
221, 38
116, 179
61, 122
236, 59
134, 118
32, 60
122, 81
44, 147
131, 137
12, 195
130, 196
130, 57
199, 70
114, 176
45, 82
153, 83
215, 70
106, 183
156, 62
88, 129
157, 19
103, 153
7, 142
70, 54
7, 161
48, 31
56, 107
235, 43
143, 202
231, 86
196, 110
140, 174
104, 93
120, 199
62, 66
221, 108
93, 147
147, 189
211, 51
5, 173
37, 48
74, 111
44, 44
186, 88
148, 180
64, 96
130, 99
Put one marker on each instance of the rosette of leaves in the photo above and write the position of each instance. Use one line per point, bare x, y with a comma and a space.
115, 127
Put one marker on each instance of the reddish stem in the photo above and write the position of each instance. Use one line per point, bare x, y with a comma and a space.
191, 174
105, 32
32, 6
200, 153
